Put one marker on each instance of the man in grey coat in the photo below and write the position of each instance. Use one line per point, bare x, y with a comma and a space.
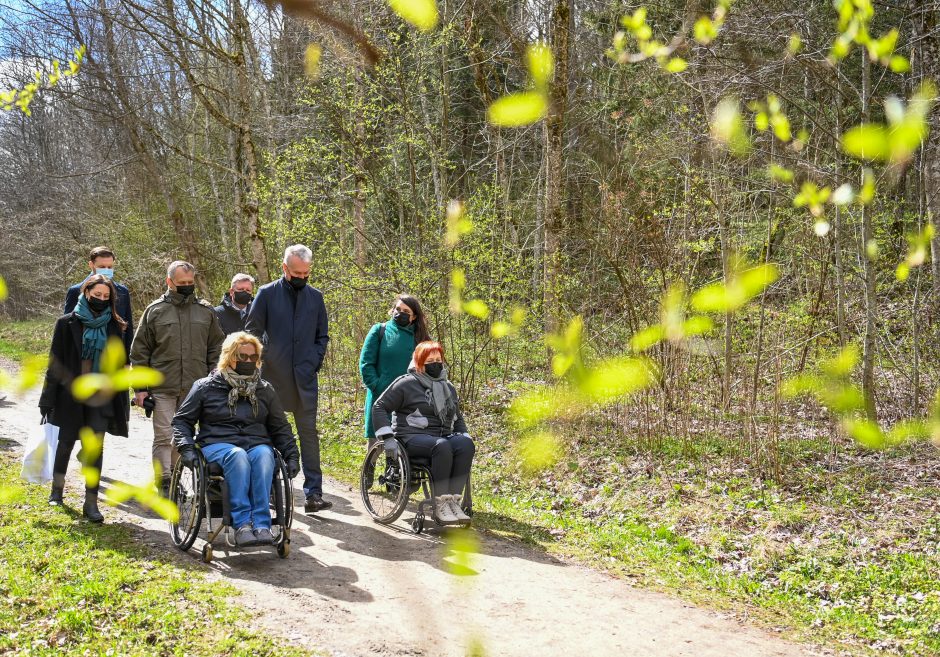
290, 318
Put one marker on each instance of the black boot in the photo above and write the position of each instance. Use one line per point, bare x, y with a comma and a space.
90, 508
58, 486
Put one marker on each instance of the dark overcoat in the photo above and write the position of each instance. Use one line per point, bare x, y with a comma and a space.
65, 365
293, 326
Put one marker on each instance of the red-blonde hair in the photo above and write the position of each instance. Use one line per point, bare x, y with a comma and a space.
424, 350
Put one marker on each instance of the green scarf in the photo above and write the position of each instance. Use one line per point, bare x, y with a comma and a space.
443, 396
94, 333
242, 386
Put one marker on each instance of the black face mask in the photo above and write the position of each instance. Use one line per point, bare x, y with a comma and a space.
401, 319
297, 283
97, 304
185, 290
434, 370
242, 298
245, 368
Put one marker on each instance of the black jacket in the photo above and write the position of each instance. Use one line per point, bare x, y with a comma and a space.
207, 404
123, 308
405, 410
293, 326
230, 317
65, 365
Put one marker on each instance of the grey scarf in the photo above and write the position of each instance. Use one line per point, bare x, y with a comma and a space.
443, 397
242, 386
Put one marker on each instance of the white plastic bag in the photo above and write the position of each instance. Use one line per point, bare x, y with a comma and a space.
40, 454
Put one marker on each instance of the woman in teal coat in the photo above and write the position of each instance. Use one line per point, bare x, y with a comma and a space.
386, 353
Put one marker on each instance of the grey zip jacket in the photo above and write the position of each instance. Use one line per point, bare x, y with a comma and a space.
405, 409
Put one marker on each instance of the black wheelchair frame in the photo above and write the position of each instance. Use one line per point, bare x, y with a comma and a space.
384, 496
202, 492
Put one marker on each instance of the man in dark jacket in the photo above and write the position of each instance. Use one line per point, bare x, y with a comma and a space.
236, 303
179, 337
101, 261
290, 318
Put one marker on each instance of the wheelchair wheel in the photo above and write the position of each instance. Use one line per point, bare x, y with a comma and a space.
188, 493
384, 484
282, 497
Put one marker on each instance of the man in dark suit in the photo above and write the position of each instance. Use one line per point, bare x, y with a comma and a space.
233, 311
290, 318
101, 261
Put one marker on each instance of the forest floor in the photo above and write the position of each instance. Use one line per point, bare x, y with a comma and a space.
351, 587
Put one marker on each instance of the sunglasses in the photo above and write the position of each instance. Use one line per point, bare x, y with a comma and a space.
247, 358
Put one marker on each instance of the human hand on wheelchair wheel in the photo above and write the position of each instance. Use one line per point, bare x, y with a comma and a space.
293, 468
188, 456
391, 449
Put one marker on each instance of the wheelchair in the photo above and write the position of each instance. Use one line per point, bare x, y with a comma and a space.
201, 492
386, 485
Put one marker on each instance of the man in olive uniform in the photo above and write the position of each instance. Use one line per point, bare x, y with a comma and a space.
179, 336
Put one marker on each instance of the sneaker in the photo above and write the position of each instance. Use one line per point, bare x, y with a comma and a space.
245, 537
316, 503
455, 508
442, 512
264, 536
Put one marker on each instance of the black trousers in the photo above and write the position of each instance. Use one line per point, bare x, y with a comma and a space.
450, 458
99, 424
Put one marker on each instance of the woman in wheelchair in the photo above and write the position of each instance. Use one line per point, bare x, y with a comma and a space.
240, 419
422, 411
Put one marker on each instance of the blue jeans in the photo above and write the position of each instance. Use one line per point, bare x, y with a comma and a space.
248, 475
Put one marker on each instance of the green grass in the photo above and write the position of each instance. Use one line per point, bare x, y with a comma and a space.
32, 337
843, 558
72, 588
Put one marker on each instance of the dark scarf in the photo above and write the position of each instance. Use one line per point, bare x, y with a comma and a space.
94, 331
242, 386
443, 397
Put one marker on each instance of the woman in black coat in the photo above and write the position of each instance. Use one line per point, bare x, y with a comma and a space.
78, 341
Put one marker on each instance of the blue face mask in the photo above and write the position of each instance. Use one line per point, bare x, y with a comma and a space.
109, 273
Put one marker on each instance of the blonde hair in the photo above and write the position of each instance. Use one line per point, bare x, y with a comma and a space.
231, 345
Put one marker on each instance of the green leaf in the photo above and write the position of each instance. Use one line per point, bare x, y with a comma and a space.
697, 325
476, 308
676, 65
866, 432
779, 173
793, 47
727, 127
458, 279
112, 358
539, 451
420, 13
312, 56
87, 385
541, 64
646, 338
868, 141
137, 378
615, 379
533, 407
500, 330
842, 364
902, 272
4, 292
781, 126
518, 109
761, 121
899, 64
704, 30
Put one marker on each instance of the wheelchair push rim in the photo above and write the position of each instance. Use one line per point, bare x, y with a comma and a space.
384, 484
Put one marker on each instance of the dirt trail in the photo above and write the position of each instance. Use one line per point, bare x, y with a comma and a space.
351, 587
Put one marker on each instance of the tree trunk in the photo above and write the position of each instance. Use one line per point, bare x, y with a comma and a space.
554, 131
871, 300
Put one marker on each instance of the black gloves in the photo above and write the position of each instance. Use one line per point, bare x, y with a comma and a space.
149, 405
188, 456
293, 468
